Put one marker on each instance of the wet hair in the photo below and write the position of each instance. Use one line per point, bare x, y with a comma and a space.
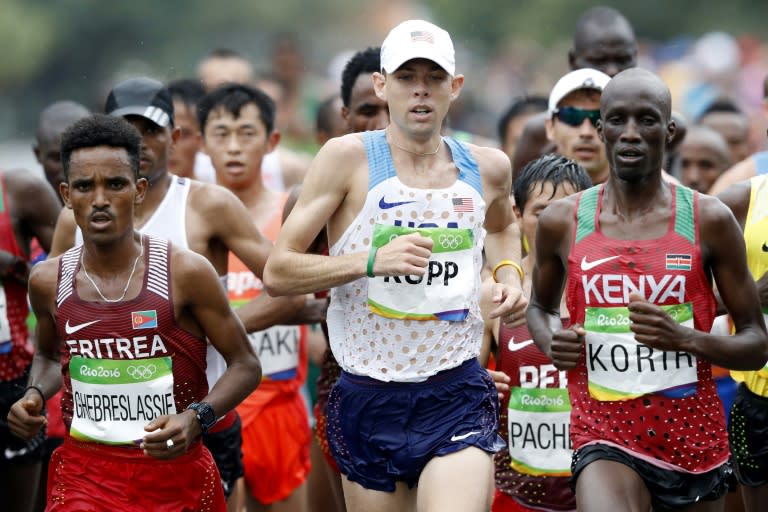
233, 97
101, 130
520, 106
550, 168
366, 61
188, 91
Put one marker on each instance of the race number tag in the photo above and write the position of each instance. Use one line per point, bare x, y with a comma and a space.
538, 423
114, 399
444, 292
5, 325
620, 368
278, 351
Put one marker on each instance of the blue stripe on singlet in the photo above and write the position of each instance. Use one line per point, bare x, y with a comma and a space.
469, 171
380, 166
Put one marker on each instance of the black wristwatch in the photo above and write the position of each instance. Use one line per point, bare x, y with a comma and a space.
205, 415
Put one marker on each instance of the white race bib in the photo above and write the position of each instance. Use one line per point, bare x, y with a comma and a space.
620, 368
538, 429
278, 351
113, 399
443, 293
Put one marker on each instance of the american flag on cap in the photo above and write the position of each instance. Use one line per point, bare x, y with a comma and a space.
422, 35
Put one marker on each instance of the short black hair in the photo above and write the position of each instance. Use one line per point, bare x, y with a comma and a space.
188, 91
101, 130
724, 105
224, 53
552, 168
366, 61
520, 106
325, 113
233, 97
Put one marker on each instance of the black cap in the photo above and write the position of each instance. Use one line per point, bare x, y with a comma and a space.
142, 97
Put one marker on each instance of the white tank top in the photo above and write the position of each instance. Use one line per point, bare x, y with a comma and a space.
382, 344
169, 221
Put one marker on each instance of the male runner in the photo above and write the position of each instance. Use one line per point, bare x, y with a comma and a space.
703, 156
53, 120
123, 320
238, 130
186, 94
28, 210
532, 471
574, 109
637, 256
748, 426
202, 217
406, 213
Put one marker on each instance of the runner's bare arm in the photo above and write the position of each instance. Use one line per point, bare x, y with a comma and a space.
326, 190
502, 241
25, 417
230, 222
200, 300
723, 251
64, 234
562, 346
739, 172
33, 197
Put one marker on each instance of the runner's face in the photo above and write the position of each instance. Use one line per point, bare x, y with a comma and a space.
182, 158
609, 50
701, 165
48, 153
419, 94
366, 111
156, 142
102, 192
540, 195
580, 143
635, 129
735, 130
237, 145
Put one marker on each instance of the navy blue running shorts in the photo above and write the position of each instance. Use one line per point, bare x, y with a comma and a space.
384, 432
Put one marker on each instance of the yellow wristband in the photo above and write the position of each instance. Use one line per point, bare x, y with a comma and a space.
504, 263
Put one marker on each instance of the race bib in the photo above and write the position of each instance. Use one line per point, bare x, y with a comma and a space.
5, 325
539, 440
114, 399
278, 351
442, 293
620, 368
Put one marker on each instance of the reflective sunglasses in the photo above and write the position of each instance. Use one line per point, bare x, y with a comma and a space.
574, 116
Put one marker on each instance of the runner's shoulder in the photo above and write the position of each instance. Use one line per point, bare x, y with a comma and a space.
209, 197
43, 277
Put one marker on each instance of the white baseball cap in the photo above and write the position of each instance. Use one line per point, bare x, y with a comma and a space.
586, 78
417, 39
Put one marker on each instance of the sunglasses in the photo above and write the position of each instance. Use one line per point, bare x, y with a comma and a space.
573, 116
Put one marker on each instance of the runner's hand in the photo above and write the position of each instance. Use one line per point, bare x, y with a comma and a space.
501, 381
653, 327
25, 419
565, 348
406, 255
512, 304
181, 428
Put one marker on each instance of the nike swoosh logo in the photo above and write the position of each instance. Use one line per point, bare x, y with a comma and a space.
69, 329
386, 206
765, 247
588, 265
514, 347
463, 436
